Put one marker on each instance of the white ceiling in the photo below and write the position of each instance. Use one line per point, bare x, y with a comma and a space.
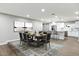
62, 10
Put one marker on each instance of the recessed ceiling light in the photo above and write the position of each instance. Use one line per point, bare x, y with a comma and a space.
76, 12
42, 10
28, 15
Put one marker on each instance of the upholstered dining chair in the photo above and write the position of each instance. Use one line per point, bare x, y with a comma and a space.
44, 32
25, 37
47, 39
21, 37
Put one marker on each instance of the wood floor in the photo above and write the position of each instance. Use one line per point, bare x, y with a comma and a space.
71, 48
6, 51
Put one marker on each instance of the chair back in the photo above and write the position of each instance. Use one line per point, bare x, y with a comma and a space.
26, 32
29, 37
21, 36
44, 32
40, 32
25, 36
48, 36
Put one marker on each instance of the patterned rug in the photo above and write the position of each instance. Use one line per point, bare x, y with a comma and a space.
38, 51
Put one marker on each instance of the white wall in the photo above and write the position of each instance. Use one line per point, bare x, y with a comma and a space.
6, 27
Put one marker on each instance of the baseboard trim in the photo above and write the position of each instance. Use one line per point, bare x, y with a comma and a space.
6, 42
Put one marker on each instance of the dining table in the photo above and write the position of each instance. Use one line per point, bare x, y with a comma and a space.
37, 38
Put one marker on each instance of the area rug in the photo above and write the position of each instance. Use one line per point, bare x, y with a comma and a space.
38, 51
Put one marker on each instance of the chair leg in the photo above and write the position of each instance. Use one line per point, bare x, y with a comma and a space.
20, 42
45, 46
49, 44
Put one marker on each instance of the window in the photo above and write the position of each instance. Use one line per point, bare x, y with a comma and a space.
28, 24
18, 26
22, 26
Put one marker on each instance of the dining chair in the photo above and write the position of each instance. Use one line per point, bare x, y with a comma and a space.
40, 32
26, 31
47, 40
21, 37
44, 32
39, 40
25, 37
30, 40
